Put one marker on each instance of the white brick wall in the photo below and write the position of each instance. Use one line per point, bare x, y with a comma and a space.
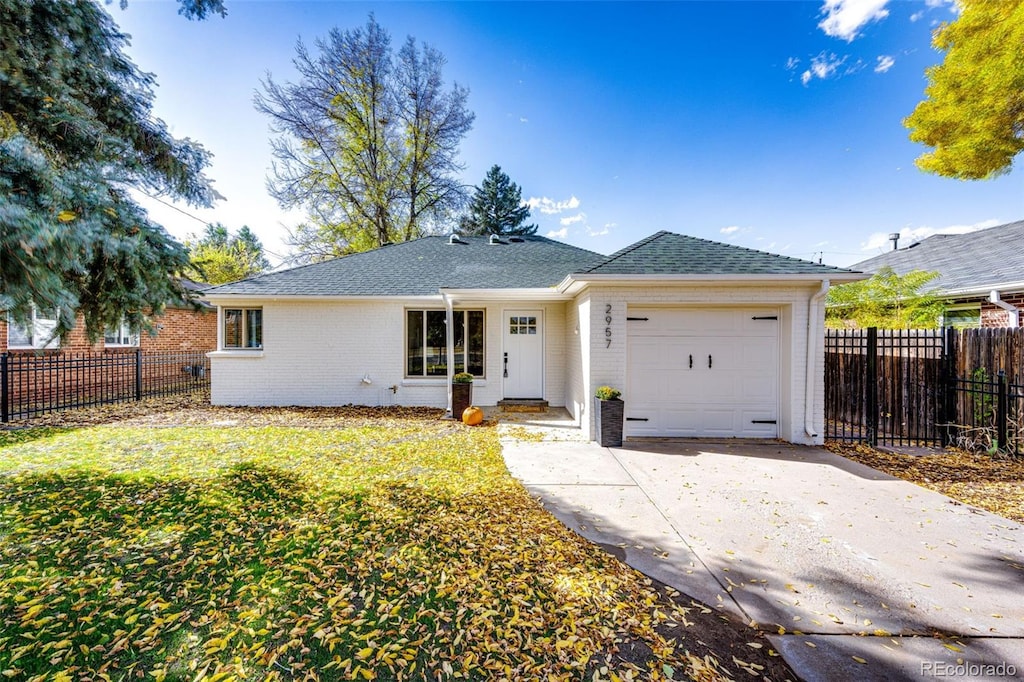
316, 353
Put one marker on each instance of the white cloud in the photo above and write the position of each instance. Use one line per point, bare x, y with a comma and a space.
523, 119
550, 206
909, 235
558, 234
599, 233
844, 19
885, 62
823, 66
916, 15
569, 220
792, 63
732, 229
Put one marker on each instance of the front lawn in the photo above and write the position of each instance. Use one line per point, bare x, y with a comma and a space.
356, 547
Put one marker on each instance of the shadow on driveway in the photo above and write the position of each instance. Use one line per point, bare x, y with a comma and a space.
842, 563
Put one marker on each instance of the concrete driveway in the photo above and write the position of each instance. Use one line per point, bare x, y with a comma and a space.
857, 574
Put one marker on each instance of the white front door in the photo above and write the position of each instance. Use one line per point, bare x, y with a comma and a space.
523, 354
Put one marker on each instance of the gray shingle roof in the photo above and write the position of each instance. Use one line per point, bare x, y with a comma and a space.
667, 253
423, 266
975, 260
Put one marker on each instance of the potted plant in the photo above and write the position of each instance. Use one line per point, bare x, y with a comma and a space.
608, 410
462, 393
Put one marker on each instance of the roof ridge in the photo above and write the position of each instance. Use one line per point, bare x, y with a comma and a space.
629, 249
769, 253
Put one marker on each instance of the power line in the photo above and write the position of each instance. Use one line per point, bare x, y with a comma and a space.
284, 259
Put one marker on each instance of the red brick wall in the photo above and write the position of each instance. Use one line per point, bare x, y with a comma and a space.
994, 316
176, 330
182, 330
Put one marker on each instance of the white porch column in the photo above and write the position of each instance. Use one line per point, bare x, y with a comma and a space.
449, 335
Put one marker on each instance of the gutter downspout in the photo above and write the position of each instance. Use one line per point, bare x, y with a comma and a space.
812, 355
449, 338
1014, 312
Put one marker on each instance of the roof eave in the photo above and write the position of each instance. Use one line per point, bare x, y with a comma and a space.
984, 289
521, 294
572, 284
228, 299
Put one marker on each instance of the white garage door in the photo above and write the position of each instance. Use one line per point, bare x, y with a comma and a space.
702, 372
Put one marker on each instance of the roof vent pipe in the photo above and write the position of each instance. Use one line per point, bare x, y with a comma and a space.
494, 239
894, 237
1013, 313
454, 238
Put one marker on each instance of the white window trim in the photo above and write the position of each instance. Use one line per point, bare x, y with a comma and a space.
36, 337
425, 379
133, 336
222, 347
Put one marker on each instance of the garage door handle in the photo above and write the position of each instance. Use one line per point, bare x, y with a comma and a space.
691, 360
709, 362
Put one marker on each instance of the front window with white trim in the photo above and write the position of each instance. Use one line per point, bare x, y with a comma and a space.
38, 334
426, 348
243, 328
121, 336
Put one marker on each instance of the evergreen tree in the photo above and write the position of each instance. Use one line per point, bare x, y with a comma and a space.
497, 207
76, 132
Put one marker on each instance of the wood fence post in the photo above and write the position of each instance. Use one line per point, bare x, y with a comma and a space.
872, 386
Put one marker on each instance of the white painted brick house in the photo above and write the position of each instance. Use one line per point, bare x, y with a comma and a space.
704, 339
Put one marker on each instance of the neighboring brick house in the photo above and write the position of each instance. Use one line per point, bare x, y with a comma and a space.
179, 328
981, 273
40, 373
703, 338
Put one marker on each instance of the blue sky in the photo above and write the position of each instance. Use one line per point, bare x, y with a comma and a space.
772, 125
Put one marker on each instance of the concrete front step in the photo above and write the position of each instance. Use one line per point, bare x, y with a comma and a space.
521, 405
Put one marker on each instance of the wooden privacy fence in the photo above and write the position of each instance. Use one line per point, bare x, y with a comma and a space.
931, 387
32, 384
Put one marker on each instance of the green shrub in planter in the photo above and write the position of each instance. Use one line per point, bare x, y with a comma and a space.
608, 412
462, 393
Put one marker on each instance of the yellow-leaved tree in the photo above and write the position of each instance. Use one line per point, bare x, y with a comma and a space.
973, 116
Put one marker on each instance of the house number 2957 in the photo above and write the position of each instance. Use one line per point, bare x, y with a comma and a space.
608, 321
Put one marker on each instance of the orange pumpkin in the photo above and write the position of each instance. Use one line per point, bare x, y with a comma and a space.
472, 415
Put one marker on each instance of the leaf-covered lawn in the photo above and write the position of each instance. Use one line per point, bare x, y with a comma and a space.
394, 548
993, 483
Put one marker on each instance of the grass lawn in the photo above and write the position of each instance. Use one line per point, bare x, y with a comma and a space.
346, 544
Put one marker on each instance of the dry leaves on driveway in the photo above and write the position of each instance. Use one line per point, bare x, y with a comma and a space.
993, 483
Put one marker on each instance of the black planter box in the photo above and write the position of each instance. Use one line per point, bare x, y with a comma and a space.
462, 397
608, 422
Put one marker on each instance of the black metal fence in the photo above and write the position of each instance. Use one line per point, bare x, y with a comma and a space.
901, 387
32, 384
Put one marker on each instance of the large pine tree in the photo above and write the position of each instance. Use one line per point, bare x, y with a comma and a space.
497, 207
76, 133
